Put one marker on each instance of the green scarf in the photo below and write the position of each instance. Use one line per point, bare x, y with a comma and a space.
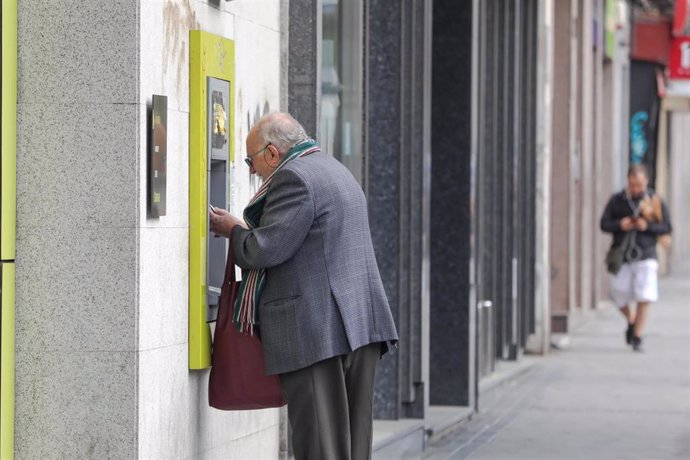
245, 314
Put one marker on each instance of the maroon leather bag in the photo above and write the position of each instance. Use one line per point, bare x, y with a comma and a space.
238, 380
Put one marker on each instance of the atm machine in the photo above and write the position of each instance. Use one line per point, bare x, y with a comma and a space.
211, 150
8, 205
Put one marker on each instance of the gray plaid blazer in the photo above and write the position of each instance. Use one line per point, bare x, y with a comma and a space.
323, 295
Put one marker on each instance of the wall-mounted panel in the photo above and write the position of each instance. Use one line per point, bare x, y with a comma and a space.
211, 147
8, 206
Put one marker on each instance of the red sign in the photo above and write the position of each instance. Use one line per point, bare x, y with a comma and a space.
651, 39
679, 65
681, 19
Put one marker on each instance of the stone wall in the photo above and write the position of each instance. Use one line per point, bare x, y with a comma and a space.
102, 291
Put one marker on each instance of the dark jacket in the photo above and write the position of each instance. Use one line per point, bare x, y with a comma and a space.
619, 208
323, 295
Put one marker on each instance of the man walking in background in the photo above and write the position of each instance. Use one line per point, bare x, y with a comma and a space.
308, 261
636, 217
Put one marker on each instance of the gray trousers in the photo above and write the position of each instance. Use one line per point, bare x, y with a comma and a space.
330, 406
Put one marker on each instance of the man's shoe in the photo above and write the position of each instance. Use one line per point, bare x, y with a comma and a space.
629, 334
637, 344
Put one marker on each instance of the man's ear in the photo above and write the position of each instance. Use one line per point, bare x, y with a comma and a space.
274, 154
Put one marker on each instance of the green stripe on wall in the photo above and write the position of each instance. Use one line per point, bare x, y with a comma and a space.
8, 209
7, 360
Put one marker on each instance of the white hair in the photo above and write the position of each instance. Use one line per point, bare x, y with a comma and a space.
281, 130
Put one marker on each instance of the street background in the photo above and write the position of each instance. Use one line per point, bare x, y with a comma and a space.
487, 136
595, 399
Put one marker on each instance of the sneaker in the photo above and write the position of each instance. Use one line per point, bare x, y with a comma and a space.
637, 344
629, 334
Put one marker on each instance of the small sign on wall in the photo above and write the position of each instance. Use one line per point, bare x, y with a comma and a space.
158, 156
679, 66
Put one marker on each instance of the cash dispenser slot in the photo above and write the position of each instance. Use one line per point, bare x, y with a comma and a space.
218, 94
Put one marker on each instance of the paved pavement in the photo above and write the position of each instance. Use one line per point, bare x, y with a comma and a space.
597, 399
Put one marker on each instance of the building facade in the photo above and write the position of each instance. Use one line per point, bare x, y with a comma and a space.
451, 145
103, 288
448, 160
590, 142
486, 134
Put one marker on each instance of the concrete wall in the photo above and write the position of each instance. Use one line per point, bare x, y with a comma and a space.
590, 134
102, 290
173, 416
587, 152
77, 238
539, 342
601, 159
679, 166
605, 165
673, 169
561, 169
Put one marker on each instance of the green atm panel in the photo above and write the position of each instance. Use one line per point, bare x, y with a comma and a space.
7, 351
211, 151
8, 200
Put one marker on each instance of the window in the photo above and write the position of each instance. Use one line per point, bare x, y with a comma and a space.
341, 83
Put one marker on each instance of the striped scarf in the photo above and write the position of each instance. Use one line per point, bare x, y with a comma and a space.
245, 314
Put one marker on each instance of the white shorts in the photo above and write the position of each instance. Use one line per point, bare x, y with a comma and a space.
635, 282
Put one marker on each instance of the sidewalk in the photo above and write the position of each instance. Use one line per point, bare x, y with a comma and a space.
597, 399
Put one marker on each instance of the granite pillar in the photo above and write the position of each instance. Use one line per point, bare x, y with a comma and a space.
527, 167
383, 169
505, 182
451, 117
397, 171
397, 184
511, 222
486, 162
304, 63
77, 205
415, 153
519, 161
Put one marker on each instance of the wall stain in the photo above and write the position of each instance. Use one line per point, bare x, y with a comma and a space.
254, 182
258, 113
178, 18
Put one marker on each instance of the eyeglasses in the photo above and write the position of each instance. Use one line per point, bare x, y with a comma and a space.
249, 159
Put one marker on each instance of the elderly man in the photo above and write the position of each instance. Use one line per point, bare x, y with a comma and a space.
310, 273
630, 216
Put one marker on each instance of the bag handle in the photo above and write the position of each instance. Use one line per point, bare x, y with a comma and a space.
229, 265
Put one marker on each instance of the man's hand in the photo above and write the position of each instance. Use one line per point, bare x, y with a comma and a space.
627, 224
641, 224
646, 208
222, 222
